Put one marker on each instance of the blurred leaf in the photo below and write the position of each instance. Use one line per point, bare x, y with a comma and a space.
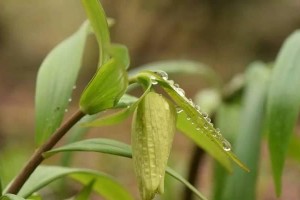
228, 119
204, 128
85, 192
209, 100
11, 197
115, 148
104, 185
181, 67
242, 185
283, 103
99, 145
96, 15
105, 89
55, 81
0, 186
294, 148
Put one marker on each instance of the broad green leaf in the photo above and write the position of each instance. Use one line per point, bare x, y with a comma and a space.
242, 185
96, 15
115, 148
104, 184
85, 192
11, 197
181, 67
200, 120
126, 100
105, 89
283, 103
55, 81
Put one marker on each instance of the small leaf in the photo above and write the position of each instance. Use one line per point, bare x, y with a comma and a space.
242, 185
121, 149
86, 191
283, 103
55, 81
11, 197
105, 89
99, 23
104, 185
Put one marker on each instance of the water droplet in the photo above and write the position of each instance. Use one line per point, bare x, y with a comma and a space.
197, 108
214, 134
176, 85
188, 118
179, 110
208, 119
191, 102
153, 80
66, 110
69, 99
74, 87
162, 74
198, 129
205, 126
226, 145
192, 123
218, 130
204, 114
171, 82
180, 92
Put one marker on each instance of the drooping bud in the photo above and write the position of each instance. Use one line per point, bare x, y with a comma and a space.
153, 128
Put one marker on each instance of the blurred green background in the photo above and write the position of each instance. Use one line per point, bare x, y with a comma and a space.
226, 35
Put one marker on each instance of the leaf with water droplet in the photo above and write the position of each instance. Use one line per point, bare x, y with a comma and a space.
56, 78
210, 143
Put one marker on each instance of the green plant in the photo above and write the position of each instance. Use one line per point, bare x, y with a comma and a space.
156, 117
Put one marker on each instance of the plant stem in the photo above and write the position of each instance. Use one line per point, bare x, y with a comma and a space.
37, 157
197, 157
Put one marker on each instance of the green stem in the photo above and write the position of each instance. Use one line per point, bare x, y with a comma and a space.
37, 157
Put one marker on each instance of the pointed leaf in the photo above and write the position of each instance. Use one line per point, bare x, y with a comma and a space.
283, 103
104, 185
121, 149
99, 23
242, 185
55, 81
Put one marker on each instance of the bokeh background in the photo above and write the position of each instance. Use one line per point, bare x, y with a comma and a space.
225, 35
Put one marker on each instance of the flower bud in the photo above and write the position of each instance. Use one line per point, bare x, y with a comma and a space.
153, 128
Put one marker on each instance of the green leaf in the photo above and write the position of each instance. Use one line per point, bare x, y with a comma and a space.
86, 191
283, 103
115, 148
99, 145
189, 129
11, 197
228, 120
204, 128
96, 15
55, 81
123, 114
242, 185
294, 148
105, 89
178, 177
104, 185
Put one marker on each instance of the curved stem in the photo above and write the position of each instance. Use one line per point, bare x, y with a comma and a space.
37, 157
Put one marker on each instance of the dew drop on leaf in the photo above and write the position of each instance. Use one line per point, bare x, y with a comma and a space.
153, 80
226, 145
162, 74
179, 110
